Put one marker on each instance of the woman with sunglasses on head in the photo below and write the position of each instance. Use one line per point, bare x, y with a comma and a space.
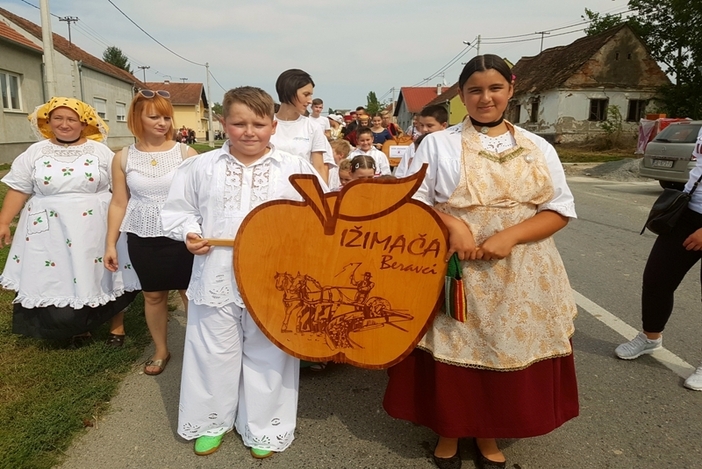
142, 175
54, 262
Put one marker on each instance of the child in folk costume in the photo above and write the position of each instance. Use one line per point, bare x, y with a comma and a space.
508, 371
233, 376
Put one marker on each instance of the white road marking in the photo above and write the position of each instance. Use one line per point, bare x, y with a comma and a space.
667, 358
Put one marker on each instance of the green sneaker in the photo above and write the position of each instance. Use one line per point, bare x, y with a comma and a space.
205, 444
261, 453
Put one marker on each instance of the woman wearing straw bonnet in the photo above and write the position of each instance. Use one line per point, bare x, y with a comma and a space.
60, 187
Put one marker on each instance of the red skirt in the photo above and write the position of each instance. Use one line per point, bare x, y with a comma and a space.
458, 402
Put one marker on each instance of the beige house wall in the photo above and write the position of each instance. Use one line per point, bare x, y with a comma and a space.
15, 131
457, 111
192, 117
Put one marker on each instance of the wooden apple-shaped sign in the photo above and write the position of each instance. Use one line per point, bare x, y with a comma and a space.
352, 276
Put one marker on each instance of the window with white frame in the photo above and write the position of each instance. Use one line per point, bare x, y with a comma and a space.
100, 106
11, 99
121, 112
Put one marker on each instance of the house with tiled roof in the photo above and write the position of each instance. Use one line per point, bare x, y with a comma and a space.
412, 99
566, 92
80, 75
452, 101
190, 105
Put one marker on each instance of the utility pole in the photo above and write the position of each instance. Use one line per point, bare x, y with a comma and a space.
69, 20
48, 46
477, 45
210, 134
144, 68
542, 39
183, 79
393, 99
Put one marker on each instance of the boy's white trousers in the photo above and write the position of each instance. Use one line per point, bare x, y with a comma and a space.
233, 376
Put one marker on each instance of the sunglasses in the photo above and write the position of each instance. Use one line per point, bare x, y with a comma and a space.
150, 94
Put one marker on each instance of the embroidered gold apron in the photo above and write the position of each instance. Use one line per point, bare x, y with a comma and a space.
520, 308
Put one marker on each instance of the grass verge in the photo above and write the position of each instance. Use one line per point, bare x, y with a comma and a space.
204, 147
582, 154
49, 393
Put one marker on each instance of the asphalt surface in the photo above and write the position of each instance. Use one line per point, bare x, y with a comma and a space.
634, 414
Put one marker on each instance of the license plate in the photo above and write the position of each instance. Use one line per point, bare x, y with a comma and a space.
662, 163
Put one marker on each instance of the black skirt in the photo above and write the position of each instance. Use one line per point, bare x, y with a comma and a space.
160, 263
54, 322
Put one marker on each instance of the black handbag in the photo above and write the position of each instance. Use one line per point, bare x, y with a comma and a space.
667, 209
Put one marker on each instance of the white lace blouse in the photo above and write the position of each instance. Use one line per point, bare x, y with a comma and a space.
148, 185
442, 151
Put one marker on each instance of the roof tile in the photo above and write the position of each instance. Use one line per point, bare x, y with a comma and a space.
72, 51
553, 67
12, 35
181, 93
417, 97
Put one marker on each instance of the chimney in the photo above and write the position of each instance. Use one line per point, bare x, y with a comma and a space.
438, 89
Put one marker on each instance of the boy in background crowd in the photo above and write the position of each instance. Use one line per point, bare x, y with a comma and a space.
431, 119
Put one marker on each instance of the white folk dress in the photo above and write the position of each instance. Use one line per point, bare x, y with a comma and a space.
233, 376
56, 255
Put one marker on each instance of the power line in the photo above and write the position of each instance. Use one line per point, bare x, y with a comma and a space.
498, 40
581, 23
31, 5
451, 62
91, 34
216, 81
385, 94
153, 38
531, 38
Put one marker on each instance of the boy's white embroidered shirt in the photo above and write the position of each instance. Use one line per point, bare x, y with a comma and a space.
211, 195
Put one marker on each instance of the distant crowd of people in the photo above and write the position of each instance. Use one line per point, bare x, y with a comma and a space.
186, 135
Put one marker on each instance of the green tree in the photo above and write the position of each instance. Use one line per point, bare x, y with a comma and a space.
600, 23
113, 55
217, 108
670, 29
373, 106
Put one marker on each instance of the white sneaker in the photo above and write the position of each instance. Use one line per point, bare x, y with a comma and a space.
694, 381
638, 346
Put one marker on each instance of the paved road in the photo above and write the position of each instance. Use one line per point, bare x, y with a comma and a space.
633, 414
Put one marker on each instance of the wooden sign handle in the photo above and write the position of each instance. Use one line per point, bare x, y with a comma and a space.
220, 242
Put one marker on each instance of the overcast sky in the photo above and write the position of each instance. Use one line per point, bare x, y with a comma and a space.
349, 47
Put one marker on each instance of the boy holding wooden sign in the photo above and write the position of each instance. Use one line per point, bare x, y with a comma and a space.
233, 376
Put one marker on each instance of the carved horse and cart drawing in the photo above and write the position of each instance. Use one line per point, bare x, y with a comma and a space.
335, 311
